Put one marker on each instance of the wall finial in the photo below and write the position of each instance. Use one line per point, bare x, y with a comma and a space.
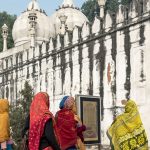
101, 4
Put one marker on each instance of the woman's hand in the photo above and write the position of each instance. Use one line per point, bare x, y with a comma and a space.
76, 117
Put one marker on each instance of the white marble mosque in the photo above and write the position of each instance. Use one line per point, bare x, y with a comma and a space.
65, 54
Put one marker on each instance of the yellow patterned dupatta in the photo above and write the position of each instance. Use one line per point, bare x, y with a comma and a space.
127, 131
4, 120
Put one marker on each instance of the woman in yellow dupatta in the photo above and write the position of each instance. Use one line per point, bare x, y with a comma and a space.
127, 131
4, 122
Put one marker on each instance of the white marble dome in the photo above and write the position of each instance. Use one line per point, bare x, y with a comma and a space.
44, 29
74, 16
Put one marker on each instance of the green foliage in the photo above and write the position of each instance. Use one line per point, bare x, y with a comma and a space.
18, 114
112, 5
9, 21
126, 2
90, 8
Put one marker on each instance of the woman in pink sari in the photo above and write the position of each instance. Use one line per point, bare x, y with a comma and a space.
42, 127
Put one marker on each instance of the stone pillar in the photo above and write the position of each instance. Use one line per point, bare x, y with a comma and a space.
4, 35
63, 27
32, 21
1, 65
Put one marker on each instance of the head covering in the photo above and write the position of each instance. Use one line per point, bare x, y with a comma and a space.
66, 102
127, 131
69, 103
4, 120
131, 107
61, 105
39, 115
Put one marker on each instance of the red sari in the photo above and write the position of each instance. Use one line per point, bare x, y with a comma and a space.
67, 128
39, 115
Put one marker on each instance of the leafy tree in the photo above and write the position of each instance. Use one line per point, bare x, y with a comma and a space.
90, 8
19, 112
112, 5
126, 2
9, 20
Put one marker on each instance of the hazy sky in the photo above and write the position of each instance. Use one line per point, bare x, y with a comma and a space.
18, 6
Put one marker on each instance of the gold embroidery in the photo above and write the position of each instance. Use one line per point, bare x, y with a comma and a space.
125, 146
133, 143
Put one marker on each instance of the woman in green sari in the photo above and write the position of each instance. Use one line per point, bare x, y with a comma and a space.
127, 131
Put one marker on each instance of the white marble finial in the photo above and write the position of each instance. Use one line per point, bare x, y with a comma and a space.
33, 5
4, 26
68, 3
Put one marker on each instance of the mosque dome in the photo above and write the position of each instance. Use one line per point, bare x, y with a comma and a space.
44, 29
74, 16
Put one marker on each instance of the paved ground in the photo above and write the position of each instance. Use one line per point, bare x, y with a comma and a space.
97, 147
